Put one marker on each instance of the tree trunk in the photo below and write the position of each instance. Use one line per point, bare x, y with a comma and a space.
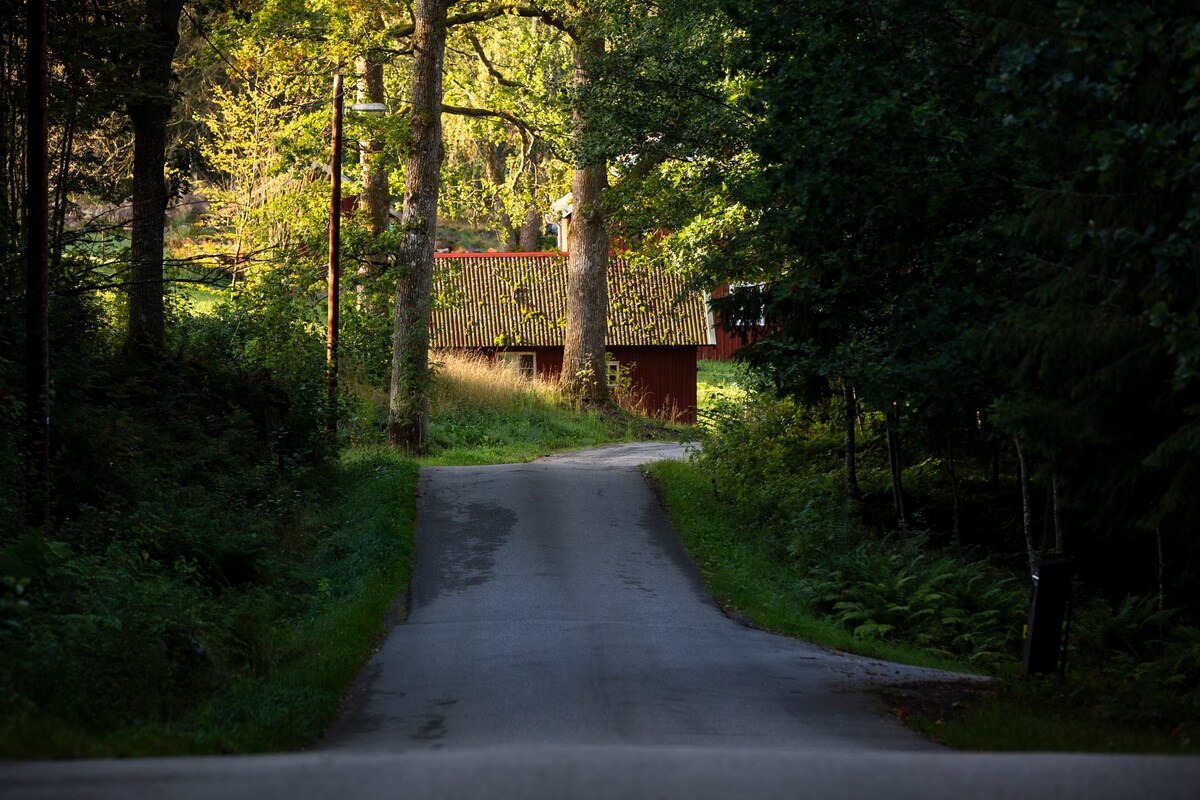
583, 374
1060, 536
156, 42
1160, 569
953, 488
375, 199
850, 412
893, 439
531, 229
1026, 503
408, 408
495, 162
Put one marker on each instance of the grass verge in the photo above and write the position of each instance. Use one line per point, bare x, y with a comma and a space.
748, 580
1035, 716
482, 413
352, 558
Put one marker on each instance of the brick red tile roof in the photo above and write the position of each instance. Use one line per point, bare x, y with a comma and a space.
501, 299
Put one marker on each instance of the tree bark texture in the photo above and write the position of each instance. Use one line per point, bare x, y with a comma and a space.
531, 229
376, 198
408, 408
156, 41
583, 374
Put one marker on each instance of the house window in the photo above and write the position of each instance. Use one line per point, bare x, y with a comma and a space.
524, 364
612, 371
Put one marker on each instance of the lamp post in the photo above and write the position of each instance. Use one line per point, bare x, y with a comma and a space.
335, 252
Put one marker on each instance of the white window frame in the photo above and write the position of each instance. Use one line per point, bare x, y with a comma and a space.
612, 372
513, 358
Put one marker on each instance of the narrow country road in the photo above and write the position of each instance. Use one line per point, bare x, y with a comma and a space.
553, 604
560, 644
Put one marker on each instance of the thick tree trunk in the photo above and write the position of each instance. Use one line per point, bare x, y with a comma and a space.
850, 413
376, 198
146, 317
157, 40
408, 409
583, 374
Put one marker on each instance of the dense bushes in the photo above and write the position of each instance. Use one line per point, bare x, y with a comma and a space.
774, 468
776, 464
191, 529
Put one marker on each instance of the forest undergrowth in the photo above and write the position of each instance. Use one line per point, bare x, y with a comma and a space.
205, 542
764, 511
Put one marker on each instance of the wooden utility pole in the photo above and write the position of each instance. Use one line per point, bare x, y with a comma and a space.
37, 292
335, 262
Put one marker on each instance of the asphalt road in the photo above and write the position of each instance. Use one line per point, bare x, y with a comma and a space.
552, 604
560, 644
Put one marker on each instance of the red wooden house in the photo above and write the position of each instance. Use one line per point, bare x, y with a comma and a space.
512, 306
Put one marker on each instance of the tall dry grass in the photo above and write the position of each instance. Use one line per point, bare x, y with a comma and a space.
466, 381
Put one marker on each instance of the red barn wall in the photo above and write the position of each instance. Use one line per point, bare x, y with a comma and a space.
663, 378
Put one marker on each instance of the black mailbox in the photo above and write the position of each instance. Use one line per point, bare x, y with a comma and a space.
1047, 612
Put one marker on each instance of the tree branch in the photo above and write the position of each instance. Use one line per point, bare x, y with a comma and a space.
495, 73
491, 12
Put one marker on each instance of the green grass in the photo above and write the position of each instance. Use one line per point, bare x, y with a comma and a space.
481, 413
1037, 717
490, 435
358, 542
746, 578
717, 383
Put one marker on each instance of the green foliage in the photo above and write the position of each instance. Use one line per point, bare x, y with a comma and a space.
770, 463
125, 650
763, 512
899, 590
984, 223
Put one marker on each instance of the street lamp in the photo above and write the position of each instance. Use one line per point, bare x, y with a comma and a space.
335, 252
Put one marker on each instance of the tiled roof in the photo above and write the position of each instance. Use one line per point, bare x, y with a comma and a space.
490, 300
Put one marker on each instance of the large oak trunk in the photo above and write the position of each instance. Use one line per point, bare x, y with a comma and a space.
583, 374
408, 409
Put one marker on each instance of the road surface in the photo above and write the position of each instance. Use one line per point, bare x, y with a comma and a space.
560, 644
